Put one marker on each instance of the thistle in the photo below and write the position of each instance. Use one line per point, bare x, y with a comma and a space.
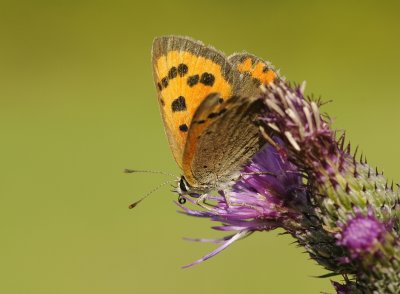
306, 181
347, 195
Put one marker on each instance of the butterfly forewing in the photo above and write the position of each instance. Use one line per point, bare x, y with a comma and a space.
185, 73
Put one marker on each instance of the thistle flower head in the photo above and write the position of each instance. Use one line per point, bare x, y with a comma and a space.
269, 183
361, 234
339, 186
306, 182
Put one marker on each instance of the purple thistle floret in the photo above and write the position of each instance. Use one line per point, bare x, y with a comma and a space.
361, 234
258, 201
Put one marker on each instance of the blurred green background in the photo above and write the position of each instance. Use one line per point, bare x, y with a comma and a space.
77, 106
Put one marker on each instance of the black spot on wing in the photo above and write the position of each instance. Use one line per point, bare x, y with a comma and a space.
215, 114
172, 73
183, 128
182, 69
164, 82
179, 104
207, 79
193, 80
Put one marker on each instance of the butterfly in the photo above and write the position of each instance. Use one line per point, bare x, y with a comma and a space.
209, 107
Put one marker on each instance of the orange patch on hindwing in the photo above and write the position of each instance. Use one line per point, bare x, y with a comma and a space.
184, 79
258, 70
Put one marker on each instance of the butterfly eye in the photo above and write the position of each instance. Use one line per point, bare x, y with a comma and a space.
181, 199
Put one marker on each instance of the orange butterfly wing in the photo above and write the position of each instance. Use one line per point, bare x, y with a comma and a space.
185, 73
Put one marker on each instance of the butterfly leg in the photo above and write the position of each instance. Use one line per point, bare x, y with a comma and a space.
201, 202
258, 173
232, 204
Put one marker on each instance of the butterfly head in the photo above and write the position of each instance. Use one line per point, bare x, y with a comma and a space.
184, 188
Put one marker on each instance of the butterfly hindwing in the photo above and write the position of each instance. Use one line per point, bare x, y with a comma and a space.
254, 72
230, 139
207, 112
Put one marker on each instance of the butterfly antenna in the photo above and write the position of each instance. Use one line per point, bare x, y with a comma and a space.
131, 171
134, 204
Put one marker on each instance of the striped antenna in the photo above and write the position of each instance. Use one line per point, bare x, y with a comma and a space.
131, 171
134, 204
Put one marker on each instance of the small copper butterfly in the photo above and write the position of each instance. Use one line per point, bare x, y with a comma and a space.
209, 106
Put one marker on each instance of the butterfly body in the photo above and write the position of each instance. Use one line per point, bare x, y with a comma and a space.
209, 106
